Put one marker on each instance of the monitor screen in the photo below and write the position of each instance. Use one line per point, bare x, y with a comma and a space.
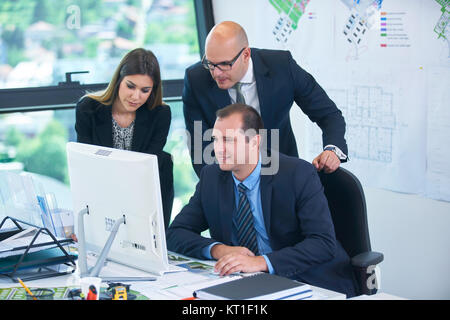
113, 184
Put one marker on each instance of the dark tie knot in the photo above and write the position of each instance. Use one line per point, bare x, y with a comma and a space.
238, 86
242, 188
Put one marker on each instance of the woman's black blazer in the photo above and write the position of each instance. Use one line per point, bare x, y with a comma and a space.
94, 126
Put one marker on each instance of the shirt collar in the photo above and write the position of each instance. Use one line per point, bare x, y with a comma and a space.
251, 181
248, 77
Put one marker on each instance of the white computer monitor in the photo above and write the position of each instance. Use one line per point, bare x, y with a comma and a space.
113, 184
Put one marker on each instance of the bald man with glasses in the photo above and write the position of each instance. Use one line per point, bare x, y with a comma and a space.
268, 80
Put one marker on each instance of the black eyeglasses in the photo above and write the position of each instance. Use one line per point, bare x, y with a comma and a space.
223, 66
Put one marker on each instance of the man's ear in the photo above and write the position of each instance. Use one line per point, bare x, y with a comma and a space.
247, 53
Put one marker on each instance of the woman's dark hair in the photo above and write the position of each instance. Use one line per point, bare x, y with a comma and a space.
137, 61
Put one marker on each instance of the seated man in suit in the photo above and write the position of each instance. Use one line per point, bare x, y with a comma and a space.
278, 223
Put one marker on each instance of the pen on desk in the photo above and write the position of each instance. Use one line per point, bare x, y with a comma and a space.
92, 294
26, 289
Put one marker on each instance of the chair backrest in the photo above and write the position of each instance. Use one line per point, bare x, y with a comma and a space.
347, 204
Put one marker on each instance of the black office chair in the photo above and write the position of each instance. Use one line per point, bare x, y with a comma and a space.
347, 204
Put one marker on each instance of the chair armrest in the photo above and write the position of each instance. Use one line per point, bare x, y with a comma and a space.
366, 259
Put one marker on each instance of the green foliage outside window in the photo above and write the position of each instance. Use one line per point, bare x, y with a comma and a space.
44, 154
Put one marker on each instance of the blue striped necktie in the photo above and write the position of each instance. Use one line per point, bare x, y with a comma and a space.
243, 221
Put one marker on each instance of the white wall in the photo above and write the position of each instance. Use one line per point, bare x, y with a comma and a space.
412, 232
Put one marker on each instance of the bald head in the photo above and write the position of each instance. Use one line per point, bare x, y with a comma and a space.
227, 33
223, 44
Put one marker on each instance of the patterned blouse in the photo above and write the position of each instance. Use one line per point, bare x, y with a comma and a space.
122, 137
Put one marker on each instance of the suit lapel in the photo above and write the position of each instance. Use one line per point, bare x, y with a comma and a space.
227, 205
140, 128
219, 97
104, 126
264, 85
266, 200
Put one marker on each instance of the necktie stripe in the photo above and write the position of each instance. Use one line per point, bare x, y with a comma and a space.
242, 217
239, 96
245, 230
243, 221
246, 220
244, 207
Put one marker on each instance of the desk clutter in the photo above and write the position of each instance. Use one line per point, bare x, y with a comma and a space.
37, 243
114, 292
35, 235
199, 276
23, 197
29, 247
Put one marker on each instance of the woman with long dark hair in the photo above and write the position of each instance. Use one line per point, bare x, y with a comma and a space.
130, 114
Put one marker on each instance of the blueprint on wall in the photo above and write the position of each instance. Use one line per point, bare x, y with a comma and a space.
388, 70
386, 64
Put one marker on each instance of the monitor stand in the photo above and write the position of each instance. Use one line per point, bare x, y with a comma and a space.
82, 257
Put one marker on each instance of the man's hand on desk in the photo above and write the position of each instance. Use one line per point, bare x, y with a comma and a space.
220, 250
236, 259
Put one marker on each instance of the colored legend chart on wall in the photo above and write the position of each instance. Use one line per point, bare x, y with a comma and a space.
312, 15
393, 31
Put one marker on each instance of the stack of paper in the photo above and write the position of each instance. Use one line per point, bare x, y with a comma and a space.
18, 243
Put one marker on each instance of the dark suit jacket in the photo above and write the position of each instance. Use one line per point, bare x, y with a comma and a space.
94, 126
280, 82
296, 217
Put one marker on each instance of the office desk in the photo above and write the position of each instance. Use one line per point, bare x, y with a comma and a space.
378, 296
171, 286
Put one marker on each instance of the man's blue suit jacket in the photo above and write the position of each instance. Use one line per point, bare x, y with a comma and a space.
296, 217
280, 82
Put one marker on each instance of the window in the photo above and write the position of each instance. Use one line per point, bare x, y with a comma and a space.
41, 40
